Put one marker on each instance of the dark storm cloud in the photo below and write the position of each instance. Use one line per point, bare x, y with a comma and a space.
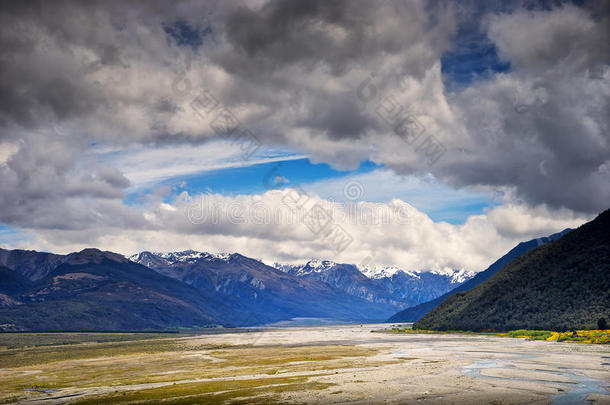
550, 135
336, 34
312, 55
339, 117
292, 31
75, 60
39, 73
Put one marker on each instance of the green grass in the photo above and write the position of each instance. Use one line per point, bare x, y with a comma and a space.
531, 334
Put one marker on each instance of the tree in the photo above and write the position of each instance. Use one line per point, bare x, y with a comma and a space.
602, 324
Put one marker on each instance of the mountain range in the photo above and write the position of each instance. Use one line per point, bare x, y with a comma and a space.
96, 290
562, 285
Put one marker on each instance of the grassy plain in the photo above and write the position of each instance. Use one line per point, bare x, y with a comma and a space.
144, 368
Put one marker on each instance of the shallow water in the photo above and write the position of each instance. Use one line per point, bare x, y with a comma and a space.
575, 392
44, 390
578, 394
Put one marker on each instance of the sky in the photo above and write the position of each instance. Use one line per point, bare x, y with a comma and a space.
427, 135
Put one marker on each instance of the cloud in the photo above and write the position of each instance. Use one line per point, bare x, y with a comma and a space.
276, 226
567, 37
7, 149
146, 166
427, 194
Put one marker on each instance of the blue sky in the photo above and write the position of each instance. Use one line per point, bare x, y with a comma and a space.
439, 201
259, 178
473, 57
12, 236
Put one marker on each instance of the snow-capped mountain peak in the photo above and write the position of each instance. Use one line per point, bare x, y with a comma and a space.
319, 265
312, 266
457, 275
283, 267
377, 272
184, 256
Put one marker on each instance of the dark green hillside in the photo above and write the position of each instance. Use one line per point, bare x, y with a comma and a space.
562, 285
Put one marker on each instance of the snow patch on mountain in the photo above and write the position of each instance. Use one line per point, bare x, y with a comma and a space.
312, 266
458, 276
376, 272
284, 267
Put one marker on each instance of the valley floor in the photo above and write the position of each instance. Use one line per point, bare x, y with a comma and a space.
325, 364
